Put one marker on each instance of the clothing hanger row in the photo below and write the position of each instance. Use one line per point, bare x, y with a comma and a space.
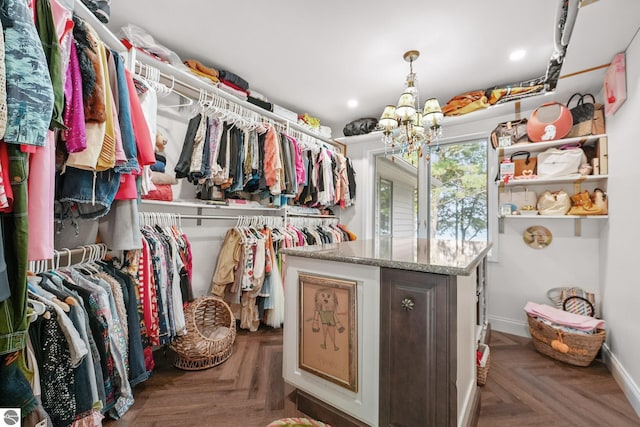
162, 219
212, 104
259, 221
150, 75
311, 222
90, 253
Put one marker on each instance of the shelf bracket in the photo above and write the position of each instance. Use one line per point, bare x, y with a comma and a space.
577, 227
199, 212
501, 225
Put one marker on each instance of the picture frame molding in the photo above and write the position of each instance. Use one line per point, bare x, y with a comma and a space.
309, 283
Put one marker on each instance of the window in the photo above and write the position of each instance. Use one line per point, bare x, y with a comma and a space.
385, 197
458, 192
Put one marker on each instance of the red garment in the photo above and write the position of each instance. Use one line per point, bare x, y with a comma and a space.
148, 295
233, 86
128, 189
162, 192
144, 144
25, 148
272, 164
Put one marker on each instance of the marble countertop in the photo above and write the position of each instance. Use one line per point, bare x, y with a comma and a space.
448, 257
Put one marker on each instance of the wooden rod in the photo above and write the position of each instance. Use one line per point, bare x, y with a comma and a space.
587, 70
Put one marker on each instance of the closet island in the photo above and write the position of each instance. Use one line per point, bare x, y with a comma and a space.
385, 332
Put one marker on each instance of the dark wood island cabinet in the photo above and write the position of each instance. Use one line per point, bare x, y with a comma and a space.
416, 327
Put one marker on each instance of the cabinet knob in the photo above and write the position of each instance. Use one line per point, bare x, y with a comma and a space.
408, 304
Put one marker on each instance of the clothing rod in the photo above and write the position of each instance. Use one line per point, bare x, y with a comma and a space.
177, 77
312, 216
228, 217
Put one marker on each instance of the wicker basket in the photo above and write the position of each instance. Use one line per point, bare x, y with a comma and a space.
576, 349
211, 332
483, 371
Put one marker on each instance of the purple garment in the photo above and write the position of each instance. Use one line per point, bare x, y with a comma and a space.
75, 135
301, 173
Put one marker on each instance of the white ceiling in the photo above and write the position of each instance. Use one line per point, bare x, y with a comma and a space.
312, 57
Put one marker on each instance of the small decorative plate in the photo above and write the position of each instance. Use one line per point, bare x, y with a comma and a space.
537, 237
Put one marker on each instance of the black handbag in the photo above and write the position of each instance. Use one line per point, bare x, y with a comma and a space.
582, 114
360, 126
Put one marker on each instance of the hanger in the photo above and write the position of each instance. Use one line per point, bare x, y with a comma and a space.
188, 101
39, 309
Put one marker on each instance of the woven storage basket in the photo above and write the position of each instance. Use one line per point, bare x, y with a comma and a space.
211, 332
483, 371
582, 349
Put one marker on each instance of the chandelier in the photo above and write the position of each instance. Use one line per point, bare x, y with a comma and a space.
404, 126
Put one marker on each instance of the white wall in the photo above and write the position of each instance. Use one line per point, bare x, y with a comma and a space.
620, 287
361, 151
404, 182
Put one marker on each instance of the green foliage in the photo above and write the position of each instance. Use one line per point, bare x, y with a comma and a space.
460, 203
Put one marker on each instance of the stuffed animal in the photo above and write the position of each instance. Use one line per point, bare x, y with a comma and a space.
161, 158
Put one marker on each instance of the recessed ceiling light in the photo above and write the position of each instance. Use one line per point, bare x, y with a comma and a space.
517, 55
352, 103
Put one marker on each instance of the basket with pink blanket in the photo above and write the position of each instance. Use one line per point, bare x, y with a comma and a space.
567, 337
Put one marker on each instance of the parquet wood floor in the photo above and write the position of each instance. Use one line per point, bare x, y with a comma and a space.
246, 390
524, 388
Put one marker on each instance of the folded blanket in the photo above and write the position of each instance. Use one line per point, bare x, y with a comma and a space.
237, 93
233, 86
564, 318
465, 103
260, 103
196, 67
234, 78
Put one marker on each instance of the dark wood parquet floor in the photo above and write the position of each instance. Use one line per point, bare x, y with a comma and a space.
524, 388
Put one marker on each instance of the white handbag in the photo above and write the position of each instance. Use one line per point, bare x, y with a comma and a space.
556, 203
518, 196
555, 162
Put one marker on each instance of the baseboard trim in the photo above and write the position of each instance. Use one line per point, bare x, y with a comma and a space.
509, 326
473, 415
622, 377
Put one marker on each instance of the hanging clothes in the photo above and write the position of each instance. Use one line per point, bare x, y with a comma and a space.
30, 94
248, 269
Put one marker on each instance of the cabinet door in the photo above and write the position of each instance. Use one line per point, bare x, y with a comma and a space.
417, 349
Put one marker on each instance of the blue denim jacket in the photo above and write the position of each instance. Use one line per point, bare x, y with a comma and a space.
92, 192
124, 118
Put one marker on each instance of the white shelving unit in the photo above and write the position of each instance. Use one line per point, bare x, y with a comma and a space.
578, 179
572, 184
543, 145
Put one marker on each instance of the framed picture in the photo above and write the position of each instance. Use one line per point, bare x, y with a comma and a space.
327, 337
507, 209
615, 84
